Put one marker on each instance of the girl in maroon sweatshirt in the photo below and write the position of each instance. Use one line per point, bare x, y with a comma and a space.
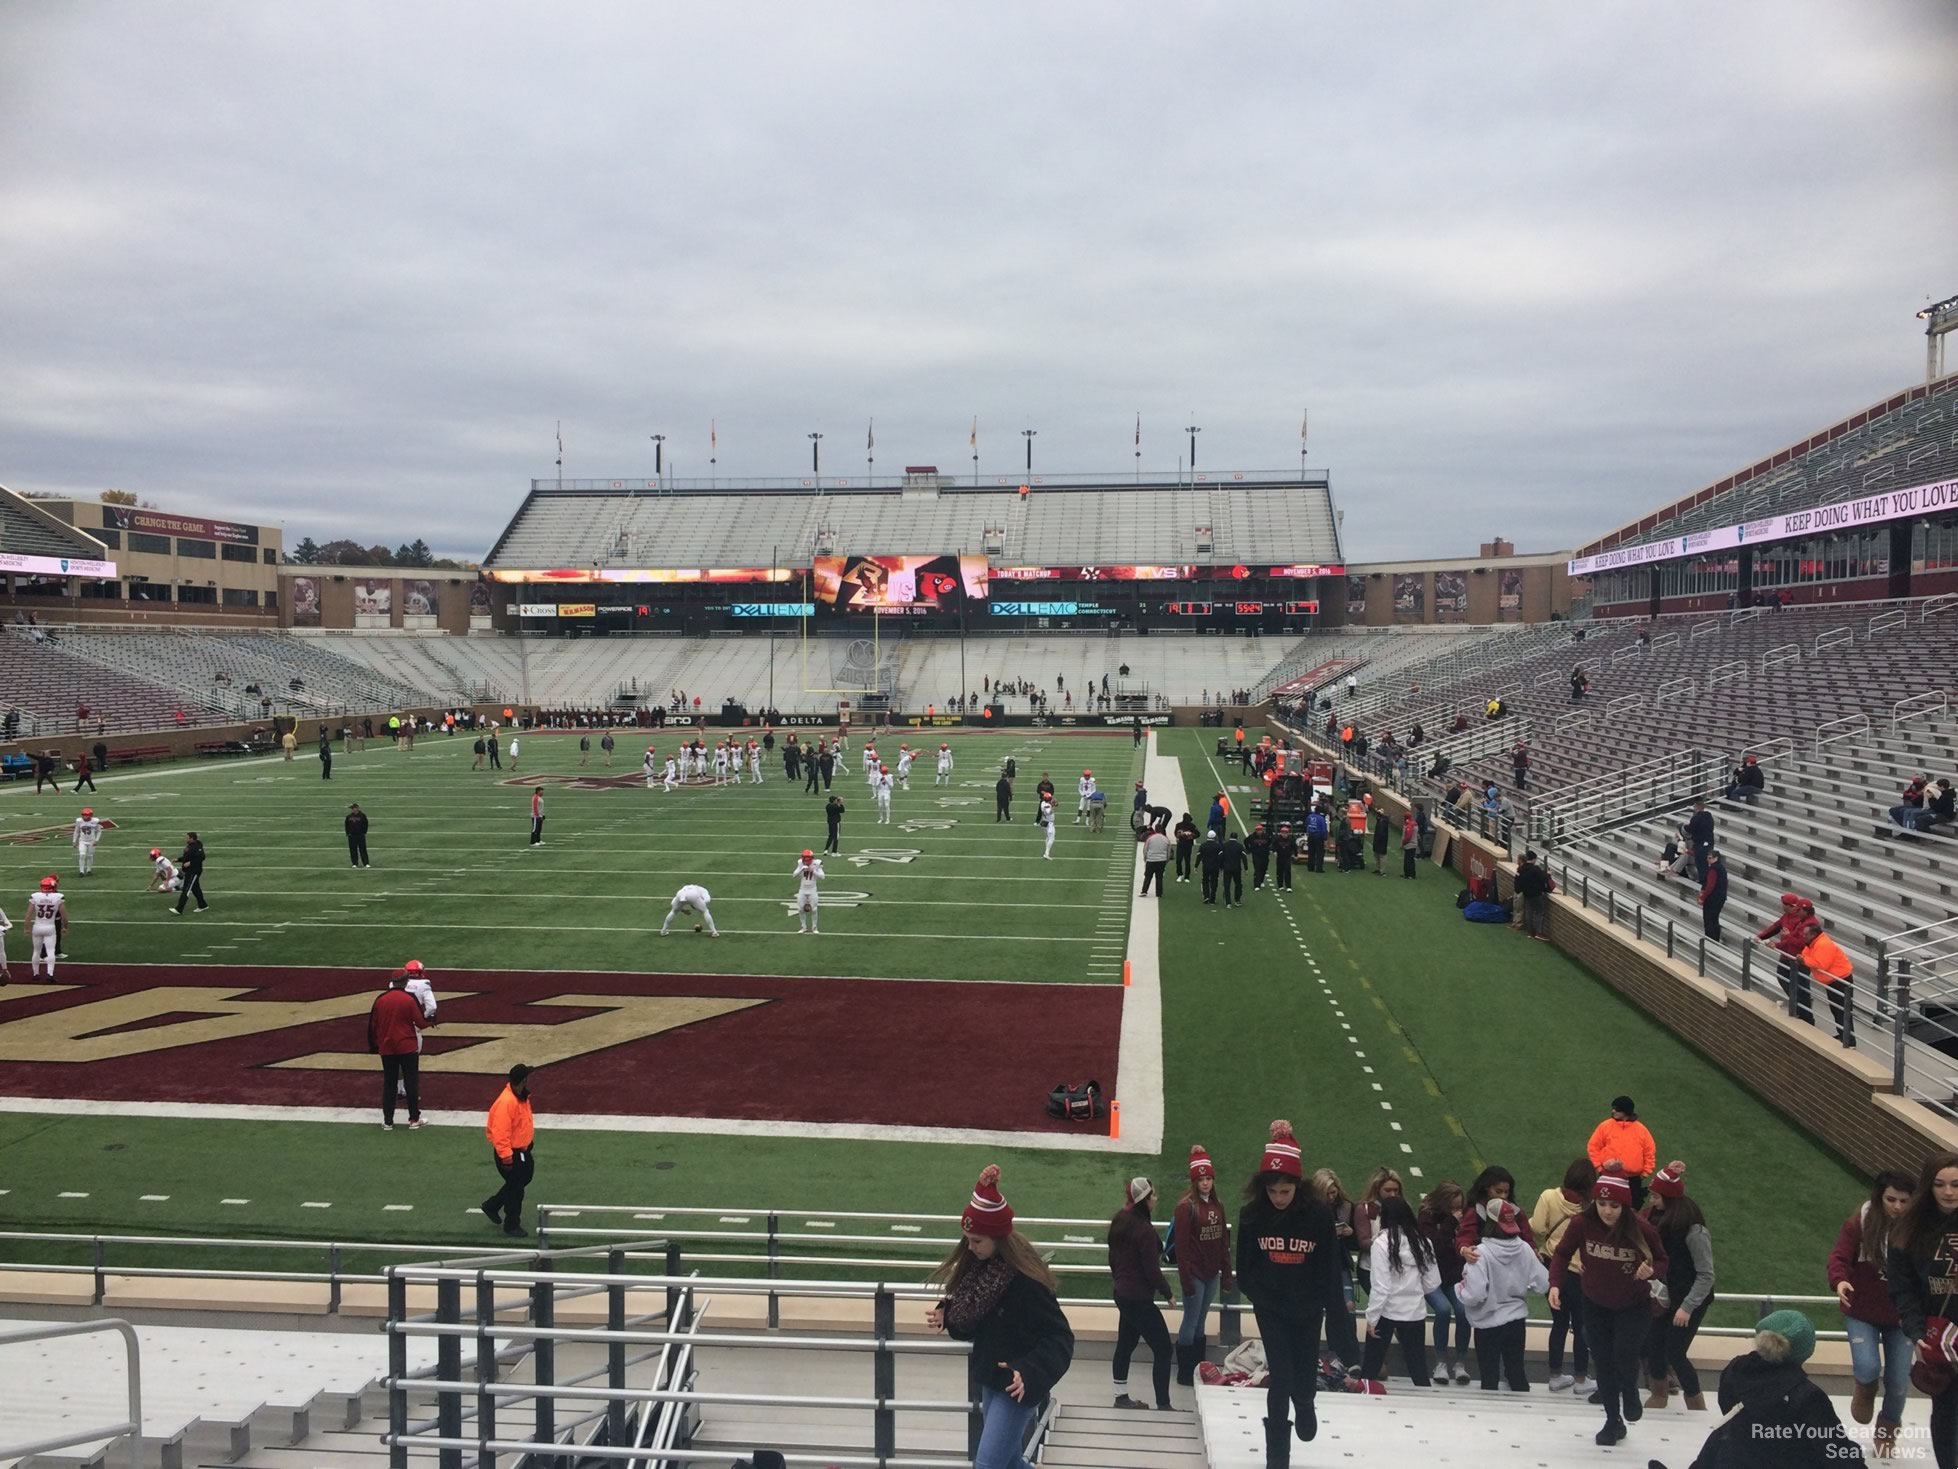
1135, 1259
1878, 1344
1621, 1254
1202, 1232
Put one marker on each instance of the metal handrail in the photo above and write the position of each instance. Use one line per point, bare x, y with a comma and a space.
1840, 729
1931, 702
132, 1356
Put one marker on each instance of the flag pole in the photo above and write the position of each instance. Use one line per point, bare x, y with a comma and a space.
560, 455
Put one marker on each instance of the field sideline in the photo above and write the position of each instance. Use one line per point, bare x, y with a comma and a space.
1360, 1007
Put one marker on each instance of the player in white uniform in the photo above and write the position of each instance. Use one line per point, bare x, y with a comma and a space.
424, 995
47, 924
514, 755
1086, 787
944, 776
88, 831
870, 761
1046, 819
649, 767
808, 872
720, 763
904, 759
754, 763
163, 872
692, 898
880, 786
672, 774
5, 929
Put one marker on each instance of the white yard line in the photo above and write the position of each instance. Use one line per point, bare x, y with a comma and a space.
1140, 1075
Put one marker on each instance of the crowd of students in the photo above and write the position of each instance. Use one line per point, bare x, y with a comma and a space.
1619, 1248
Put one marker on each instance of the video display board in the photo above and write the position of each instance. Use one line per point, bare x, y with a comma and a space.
889, 583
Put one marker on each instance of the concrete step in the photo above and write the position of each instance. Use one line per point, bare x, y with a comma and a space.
1122, 1438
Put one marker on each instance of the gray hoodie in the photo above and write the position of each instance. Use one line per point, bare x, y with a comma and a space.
1495, 1288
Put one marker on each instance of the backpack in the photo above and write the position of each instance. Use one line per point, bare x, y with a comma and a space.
1078, 1101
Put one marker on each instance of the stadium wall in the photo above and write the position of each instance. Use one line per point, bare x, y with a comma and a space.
1838, 1096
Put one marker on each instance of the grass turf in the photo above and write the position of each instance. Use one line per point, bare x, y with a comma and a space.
1482, 1046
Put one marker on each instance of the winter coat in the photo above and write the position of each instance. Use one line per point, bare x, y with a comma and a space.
1784, 1421
1496, 1288
1029, 1333
1288, 1260
1399, 1295
1869, 1298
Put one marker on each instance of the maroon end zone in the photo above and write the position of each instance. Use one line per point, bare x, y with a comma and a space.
880, 1052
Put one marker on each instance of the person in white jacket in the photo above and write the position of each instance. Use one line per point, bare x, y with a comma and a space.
1495, 1292
1404, 1271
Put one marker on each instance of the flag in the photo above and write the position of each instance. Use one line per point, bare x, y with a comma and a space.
871, 441
1138, 431
975, 434
713, 438
560, 443
1303, 415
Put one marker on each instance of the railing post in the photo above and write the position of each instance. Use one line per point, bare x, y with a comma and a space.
1669, 938
774, 1266
1611, 906
543, 1355
1746, 968
1638, 921
1585, 891
1848, 1012
485, 1369
98, 1256
448, 1364
1882, 971
333, 1280
883, 1369
1702, 966
543, 1212
1900, 1033
615, 1351
397, 1372
672, 1290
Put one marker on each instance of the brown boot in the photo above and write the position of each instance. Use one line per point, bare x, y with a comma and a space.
1696, 1402
1862, 1402
1884, 1443
1661, 1390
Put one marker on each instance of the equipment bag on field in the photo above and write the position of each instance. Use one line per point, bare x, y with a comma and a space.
1078, 1101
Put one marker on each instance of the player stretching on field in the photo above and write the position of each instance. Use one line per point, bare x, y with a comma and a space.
163, 873
944, 777
808, 872
880, 785
1046, 819
692, 898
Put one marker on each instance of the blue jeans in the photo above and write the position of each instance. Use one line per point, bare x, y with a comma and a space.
1446, 1304
1196, 1308
1866, 1344
1004, 1433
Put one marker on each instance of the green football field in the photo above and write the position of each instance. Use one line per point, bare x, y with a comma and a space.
1362, 1008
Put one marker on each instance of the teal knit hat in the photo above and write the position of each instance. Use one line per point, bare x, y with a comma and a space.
1794, 1328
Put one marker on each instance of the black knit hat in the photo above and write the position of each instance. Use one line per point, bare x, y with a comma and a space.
1625, 1105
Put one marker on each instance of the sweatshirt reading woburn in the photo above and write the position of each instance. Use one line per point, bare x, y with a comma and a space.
1287, 1259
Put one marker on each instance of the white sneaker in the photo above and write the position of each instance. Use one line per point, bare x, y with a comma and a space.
1580, 1387
1561, 1382
1440, 1374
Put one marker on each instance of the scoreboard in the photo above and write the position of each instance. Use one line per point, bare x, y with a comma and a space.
1240, 609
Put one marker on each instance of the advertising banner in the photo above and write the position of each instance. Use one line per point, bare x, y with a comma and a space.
1938, 498
128, 517
577, 609
537, 609
305, 601
662, 575
1512, 591
57, 566
771, 609
876, 583
373, 598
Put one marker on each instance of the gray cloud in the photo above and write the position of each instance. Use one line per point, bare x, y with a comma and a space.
1535, 268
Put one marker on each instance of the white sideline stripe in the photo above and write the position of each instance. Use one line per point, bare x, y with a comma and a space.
641, 929
221, 1201
861, 1132
396, 1208
70, 1195
155, 1199
1139, 1069
311, 1204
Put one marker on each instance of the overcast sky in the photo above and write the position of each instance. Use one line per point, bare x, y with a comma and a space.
1533, 268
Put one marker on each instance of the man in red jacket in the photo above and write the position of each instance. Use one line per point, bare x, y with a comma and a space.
1785, 937
393, 1033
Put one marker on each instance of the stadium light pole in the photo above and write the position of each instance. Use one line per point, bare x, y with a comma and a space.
816, 458
659, 456
1028, 435
1192, 430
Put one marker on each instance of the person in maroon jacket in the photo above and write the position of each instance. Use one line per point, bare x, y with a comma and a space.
1878, 1344
1784, 936
394, 1033
1622, 1254
1202, 1234
1135, 1259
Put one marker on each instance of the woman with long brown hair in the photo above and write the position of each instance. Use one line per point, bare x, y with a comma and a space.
1135, 1260
1689, 1288
999, 1295
1878, 1347
1621, 1254
1440, 1218
1924, 1286
1202, 1234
